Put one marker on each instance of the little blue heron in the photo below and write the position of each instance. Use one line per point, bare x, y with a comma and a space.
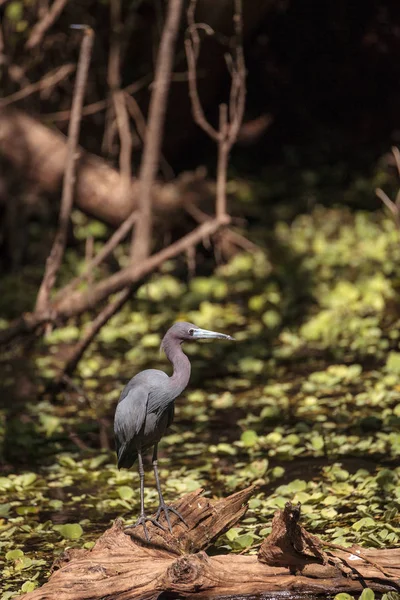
146, 408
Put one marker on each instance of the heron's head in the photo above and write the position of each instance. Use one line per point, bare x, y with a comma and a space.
182, 331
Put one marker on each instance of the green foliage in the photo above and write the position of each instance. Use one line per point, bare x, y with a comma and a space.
306, 403
69, 531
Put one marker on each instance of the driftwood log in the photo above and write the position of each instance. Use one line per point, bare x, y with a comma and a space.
123, 566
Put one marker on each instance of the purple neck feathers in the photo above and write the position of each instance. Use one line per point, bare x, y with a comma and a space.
181, 364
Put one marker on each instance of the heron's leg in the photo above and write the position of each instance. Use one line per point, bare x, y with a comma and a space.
141, 475
163, 506
143, 518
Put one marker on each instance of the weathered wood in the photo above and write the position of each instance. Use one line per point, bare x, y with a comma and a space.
123, 566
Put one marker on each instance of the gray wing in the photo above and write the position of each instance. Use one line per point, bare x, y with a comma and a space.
129, 421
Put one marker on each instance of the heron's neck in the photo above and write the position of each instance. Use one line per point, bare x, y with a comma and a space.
181, 373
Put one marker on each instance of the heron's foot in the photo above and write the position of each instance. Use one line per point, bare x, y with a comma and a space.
167, 509
142, 521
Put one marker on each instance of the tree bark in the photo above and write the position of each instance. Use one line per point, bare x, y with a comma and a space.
123, 566
39, 153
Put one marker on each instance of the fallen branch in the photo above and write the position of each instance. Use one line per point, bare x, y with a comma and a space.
39, 154
123, 565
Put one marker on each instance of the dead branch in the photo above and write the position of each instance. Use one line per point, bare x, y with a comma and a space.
223, 158
81, 301
95, 107
230, 118
55, 258
158, 103
78, 302
392, 206
140, 124
106, 250
118, 97
50, 80
229, 234
45, 23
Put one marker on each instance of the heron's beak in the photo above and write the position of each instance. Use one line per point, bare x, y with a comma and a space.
204, 334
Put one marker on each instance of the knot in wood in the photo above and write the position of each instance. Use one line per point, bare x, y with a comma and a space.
185, 570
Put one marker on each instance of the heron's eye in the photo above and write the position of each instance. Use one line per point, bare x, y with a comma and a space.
191, 331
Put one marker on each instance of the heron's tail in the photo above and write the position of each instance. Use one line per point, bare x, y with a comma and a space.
126, 456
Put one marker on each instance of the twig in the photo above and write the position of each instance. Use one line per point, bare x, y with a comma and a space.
106, 250
54, 260
48, 81
394, 207
198, 113
95, 107
223, 158
230, 235
158, 103
118, 98
45, 23
396, 155
140, 123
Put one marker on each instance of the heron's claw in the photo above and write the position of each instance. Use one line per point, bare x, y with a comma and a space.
167, 509
142, 521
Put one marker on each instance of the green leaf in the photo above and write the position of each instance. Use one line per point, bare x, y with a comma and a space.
4, 510
328, 513
69, 531
233, 533
298, 485
14, 554
317, 442
225, 448
245, 540
50, 423
29, 586
26, 479
125, 492
249, 438
343, 596
364, 523
393, 363
367, 594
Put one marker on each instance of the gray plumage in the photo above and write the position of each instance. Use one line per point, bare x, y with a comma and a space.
146, 409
